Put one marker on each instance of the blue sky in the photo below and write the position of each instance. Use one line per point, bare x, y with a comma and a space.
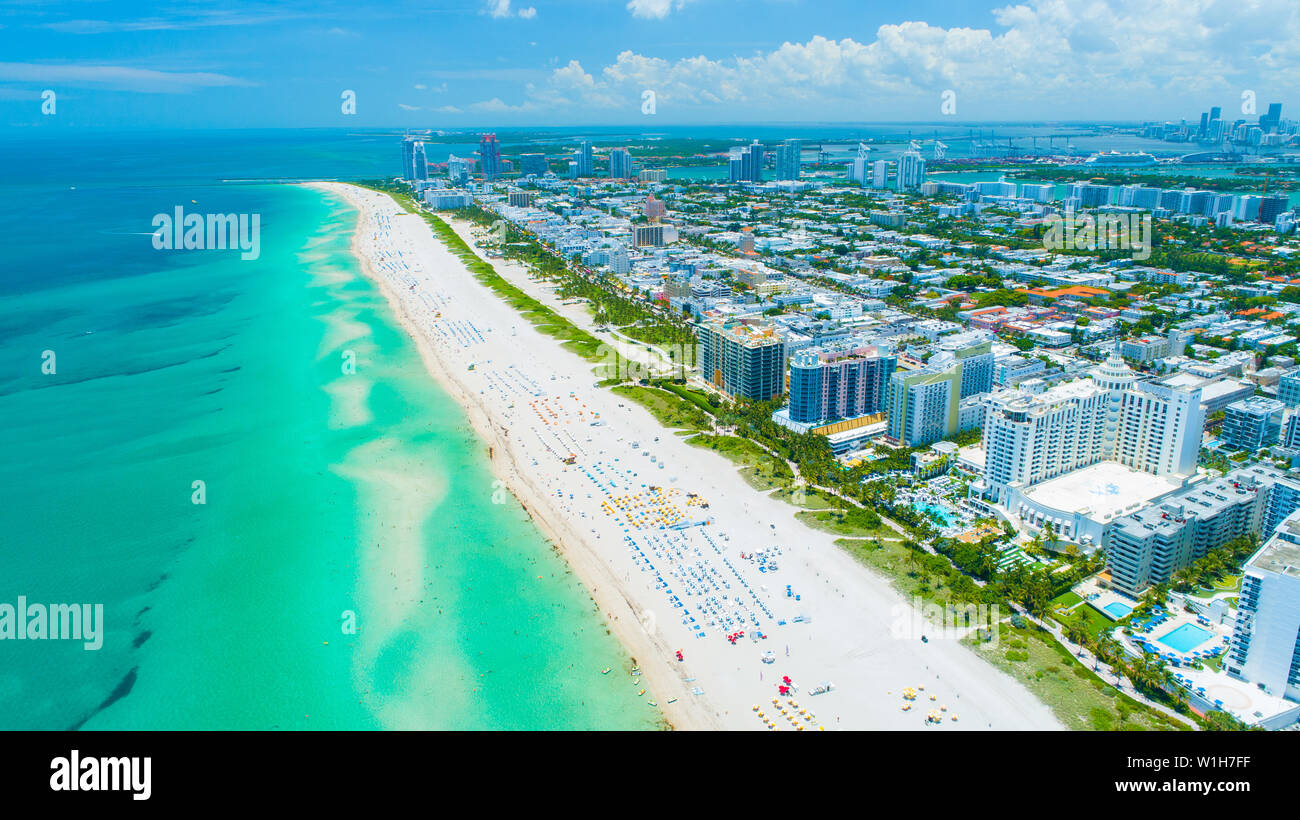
469, 63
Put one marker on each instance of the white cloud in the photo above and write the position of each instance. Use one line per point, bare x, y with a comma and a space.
654, 9
501, 8
121, 78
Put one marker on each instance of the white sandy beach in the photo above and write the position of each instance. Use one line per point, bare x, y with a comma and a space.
668, 589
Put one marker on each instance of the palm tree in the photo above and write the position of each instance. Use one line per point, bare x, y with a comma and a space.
1077, 631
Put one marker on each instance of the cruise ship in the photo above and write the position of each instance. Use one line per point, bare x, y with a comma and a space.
1115, 159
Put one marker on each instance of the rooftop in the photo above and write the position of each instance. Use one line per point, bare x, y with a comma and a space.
1102, 491
1281, 554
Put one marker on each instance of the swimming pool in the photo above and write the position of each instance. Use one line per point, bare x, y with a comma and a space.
945, 514
1185, 638
1117, 610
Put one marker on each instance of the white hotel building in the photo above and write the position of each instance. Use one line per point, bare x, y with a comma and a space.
1265, 646
1086, 452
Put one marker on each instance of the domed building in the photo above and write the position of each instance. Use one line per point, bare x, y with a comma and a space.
1083, 453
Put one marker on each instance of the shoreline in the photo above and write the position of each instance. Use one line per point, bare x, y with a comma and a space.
722, 703
502, 461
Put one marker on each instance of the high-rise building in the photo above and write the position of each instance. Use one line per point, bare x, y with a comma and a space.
788, 154
860, 167
746, 164
489, 152
620, 164
828, 384
415, 165
654, 209
457, 169
1090, 195
1151, 427
753, 159
1249, 424
1247, 208
1283, 500
911, 170
586, 159
974, 354
879, 174
1045, 192
420, 171
1270, 207
1269, 122
1265, 647
534, 164
656, 236
1147, 547
744, 359
922, 405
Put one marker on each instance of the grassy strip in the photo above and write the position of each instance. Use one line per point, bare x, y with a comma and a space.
1079, 698
740, 450
695, 397
902, 566
539, 315
851, 522
668, 410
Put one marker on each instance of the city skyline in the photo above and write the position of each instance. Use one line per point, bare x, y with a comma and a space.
476, 63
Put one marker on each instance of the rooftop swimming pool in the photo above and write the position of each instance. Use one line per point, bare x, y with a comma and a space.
1117, 609
1185, 638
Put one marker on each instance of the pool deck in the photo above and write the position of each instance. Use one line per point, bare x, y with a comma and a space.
1099, 598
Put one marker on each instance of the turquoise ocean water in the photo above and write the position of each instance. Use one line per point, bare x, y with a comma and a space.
331, 497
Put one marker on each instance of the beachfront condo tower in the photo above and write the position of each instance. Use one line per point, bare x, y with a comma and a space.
744, 358
832, 383
923, 404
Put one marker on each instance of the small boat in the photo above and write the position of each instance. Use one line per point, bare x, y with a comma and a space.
605, 671
639, 694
